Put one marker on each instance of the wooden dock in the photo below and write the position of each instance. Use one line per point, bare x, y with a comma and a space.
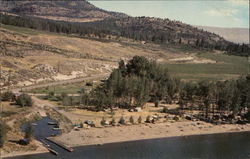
52, 151
70, 149
44, 143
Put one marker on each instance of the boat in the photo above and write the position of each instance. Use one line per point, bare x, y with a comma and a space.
57, 128
52, 123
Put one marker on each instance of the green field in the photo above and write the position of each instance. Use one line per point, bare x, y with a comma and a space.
227, 67
69, 89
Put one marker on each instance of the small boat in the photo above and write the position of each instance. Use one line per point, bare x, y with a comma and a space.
57, 128
34, 124
52, 123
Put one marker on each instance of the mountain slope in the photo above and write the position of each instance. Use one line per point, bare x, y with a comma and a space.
237, 35
91, 21
36, 56
73, 11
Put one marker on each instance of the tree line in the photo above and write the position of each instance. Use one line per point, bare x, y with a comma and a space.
138, 28
141, 80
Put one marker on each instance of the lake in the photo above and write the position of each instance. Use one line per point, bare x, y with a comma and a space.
215, 146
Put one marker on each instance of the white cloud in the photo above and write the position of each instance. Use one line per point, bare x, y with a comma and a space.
242, 3
222, 12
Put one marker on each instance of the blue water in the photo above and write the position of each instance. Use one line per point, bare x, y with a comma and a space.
42, 129
216, 146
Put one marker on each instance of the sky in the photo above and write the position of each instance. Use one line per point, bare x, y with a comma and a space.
219, 13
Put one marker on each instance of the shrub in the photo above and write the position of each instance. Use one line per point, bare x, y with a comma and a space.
103, 121
139, 120
51, 94
81, 125
24, 100
7, 96
113, 122
165, 110
122, 121
89, 84
148, 119
131, 120
64, 95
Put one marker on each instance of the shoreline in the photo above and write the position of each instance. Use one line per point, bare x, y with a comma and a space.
100, 136
69, 138
186, 136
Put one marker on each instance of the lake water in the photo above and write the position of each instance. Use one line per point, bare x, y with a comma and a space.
216, 146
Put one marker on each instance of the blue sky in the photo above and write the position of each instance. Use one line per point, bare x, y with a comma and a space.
220, 13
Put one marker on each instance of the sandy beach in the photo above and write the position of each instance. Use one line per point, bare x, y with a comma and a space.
105, 135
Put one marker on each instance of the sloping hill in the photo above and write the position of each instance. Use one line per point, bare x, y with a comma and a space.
73, 11
37, 56
237, 35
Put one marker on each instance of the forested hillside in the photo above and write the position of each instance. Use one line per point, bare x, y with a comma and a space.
139, 28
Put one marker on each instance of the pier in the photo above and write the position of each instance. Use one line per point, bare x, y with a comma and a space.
60, 145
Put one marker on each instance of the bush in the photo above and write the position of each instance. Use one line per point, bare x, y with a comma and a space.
7, 96
148, 119
139, 120
81, 125
131, 120
70, 100
51, 94
64, 95
89, 84
113, 122
122, 121
3, 132
103, 121
24, 100
165, 110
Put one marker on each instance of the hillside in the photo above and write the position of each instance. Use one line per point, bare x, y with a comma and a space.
39, 48
73, 11
36, 56
237, 35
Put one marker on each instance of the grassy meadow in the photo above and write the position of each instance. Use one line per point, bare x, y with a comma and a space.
226, 67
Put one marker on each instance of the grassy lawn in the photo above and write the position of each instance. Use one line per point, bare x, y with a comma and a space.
227, 67
68, 88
